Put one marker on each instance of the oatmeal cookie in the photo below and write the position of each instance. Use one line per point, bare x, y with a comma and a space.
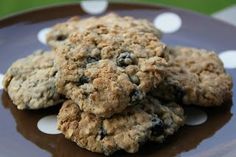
151, 121
195, 76
60, 32
104, 69
30, 81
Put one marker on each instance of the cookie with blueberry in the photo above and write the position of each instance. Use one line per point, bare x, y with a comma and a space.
30, 81
195, 76
108, 67
60, 32
151, 121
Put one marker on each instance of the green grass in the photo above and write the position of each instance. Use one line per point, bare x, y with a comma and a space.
204, 6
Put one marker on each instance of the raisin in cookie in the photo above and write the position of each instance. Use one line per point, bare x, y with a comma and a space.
151, 121
30, 81
195, 76
60, 32
104, 69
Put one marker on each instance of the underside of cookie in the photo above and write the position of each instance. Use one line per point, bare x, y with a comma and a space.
108, 67
30, 81
195, 76
60, 32
151, 121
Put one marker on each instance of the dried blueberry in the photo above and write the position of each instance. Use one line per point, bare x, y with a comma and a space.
134, 79
102, 133
157, 127
92, 59
82, 80
178, 92
61, 37
125, 59
135, 97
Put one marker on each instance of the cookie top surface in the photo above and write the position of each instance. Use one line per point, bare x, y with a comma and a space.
106, 68
60, 32
150, 121
30, 81
195, 76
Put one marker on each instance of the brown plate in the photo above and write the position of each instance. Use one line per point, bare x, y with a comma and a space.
19, 135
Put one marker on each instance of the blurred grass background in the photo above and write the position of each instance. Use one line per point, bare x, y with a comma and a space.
8, 7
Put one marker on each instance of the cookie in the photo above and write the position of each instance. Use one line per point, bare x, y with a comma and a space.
151, 121
60, 32
195, 76
30, 81
107, 68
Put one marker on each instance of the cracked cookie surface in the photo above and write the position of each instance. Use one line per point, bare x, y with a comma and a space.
106, 68
60, 32
30, 81
195, 76
150, 121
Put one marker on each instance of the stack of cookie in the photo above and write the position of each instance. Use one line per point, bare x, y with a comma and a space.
119, 84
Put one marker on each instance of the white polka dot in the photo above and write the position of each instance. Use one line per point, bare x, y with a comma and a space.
48, 125
1, 79
94, 6
195, 116
42, 34
168, 22
228, 58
